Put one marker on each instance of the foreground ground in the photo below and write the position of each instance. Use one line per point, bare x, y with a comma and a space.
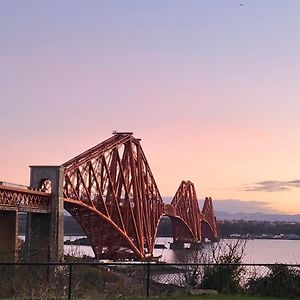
218, 297
198, 297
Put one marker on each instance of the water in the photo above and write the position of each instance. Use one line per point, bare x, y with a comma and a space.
77, 250
256, 251
273, 251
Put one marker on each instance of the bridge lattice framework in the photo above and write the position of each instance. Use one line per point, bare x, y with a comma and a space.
111, 192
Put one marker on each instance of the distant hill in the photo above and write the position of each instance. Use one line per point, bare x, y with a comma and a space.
222, 215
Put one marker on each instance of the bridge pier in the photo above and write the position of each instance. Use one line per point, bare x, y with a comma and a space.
45, 232
9, 236
38, 236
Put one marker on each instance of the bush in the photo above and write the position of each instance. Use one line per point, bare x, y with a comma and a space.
282, 281
225, 277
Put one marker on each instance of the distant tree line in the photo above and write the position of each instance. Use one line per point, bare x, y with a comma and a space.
242, 228
257, 228
225, 228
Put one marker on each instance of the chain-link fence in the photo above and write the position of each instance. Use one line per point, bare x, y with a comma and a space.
94, 280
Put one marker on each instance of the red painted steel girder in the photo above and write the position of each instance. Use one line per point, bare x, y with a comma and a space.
186, 207
24, 200
200, 225
110, 190
209, 222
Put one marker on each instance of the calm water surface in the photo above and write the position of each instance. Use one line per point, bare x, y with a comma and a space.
257, 251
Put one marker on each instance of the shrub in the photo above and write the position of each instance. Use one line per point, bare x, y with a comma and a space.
225, 277
282, 281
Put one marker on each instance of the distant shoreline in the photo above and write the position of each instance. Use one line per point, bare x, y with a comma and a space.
85, 242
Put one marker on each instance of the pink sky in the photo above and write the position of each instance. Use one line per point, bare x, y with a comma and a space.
211, 87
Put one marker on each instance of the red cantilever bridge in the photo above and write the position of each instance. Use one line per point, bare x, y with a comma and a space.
111, 192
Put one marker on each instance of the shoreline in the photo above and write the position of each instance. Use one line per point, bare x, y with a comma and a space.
85, 242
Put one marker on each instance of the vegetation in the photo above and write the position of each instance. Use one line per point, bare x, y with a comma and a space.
99, 282
243, 228
129, 282
207, 297
224, 279
278, 280
281, 281
182, 297
256, 228
218, 297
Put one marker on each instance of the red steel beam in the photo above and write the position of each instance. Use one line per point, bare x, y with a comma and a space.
111, 191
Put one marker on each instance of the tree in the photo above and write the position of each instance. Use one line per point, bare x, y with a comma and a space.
217, 266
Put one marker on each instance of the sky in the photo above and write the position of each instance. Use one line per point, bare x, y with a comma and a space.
211, 87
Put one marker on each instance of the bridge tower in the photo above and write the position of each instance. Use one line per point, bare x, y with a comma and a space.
45, 232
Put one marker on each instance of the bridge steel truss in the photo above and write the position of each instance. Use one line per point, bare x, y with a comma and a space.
111, 191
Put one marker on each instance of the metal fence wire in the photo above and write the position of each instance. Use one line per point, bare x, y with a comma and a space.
98, 280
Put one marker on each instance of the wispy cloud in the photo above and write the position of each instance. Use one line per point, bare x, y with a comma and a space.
272, 186
237, 205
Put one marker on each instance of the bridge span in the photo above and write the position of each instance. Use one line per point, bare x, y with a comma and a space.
111, 192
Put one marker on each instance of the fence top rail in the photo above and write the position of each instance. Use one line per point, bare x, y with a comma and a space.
111, 264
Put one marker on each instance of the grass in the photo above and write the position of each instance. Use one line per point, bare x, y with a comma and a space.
194, 297
217, 297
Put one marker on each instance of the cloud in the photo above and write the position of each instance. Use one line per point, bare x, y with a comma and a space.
272, 186
237, 206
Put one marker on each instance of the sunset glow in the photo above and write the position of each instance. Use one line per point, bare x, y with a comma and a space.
211, 88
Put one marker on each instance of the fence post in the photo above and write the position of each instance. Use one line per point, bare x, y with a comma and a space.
148, 280
70, 283
220, 279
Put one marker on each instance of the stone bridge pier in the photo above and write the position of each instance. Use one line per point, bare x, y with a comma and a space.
44, 239
9, 236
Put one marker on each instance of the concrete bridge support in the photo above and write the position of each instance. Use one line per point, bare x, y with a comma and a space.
45, 232
9, 236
